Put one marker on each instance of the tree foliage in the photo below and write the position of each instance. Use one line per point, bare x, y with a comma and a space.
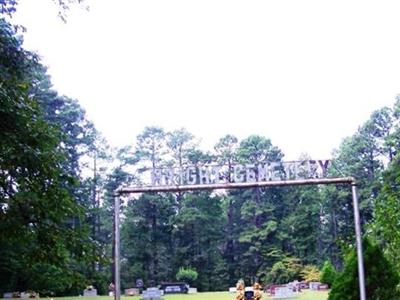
387, 212
9, 7
279, 274
328, 273
187, 275
381, 277
43, 233
310, 273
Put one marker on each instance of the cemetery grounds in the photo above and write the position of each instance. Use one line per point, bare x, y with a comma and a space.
307, 295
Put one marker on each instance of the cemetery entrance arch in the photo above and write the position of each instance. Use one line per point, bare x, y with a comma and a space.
212, 177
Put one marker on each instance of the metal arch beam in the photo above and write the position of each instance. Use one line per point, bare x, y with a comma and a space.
241, 185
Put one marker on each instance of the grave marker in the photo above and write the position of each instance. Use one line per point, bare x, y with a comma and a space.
283, 293
132, 292
152, 294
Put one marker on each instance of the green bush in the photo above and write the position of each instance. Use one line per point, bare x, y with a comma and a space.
187, 275
279, 274
328, 273
283, 271
381, 278
310, 273
293, 264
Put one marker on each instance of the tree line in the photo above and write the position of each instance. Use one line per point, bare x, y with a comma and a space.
58, 177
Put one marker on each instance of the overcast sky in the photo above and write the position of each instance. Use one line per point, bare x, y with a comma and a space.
304, 73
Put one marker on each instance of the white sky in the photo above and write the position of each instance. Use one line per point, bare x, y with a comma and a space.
303, 73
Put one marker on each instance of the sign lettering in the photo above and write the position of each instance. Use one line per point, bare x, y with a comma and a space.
272, 171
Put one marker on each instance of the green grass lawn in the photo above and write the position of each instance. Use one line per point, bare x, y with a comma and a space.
307, 295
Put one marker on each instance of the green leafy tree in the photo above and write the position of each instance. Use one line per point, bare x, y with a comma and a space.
328, 273
279, 274
151, 146
118, 177
381, 278
187, 275
146, 240
226, 155
361, 156
151, 150
38, 239
226, 149
198, 234
86, 152
310, 273
302, 238
392, 139
180, 143
260, 211
387, 212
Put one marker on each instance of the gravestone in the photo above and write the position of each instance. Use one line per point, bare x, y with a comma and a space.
232, 290
323, 287
152, 294
27, 295
131, 292
294, 286
174, 287
273, 288
89, 292
314, 285
304, 285
283, 293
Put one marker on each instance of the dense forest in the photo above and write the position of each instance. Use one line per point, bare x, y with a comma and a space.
58, 177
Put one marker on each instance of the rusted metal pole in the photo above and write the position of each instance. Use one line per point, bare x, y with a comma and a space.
182, 188
117, 278
360, 259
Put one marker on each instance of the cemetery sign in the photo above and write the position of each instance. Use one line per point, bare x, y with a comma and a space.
239, 173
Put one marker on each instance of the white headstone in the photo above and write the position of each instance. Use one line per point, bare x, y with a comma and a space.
283, 293
314, 285
90, 293
152, 294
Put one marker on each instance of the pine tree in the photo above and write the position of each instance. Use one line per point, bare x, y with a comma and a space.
328, 273
381, 277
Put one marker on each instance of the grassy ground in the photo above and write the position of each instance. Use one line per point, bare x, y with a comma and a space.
307, 295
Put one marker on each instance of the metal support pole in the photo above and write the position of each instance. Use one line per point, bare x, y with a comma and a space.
117, 281
360, 259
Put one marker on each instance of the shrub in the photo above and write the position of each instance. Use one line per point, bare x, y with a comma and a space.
279, 274
381, 278
310, 273
283, 271
328, 273
187, 275
293, 264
